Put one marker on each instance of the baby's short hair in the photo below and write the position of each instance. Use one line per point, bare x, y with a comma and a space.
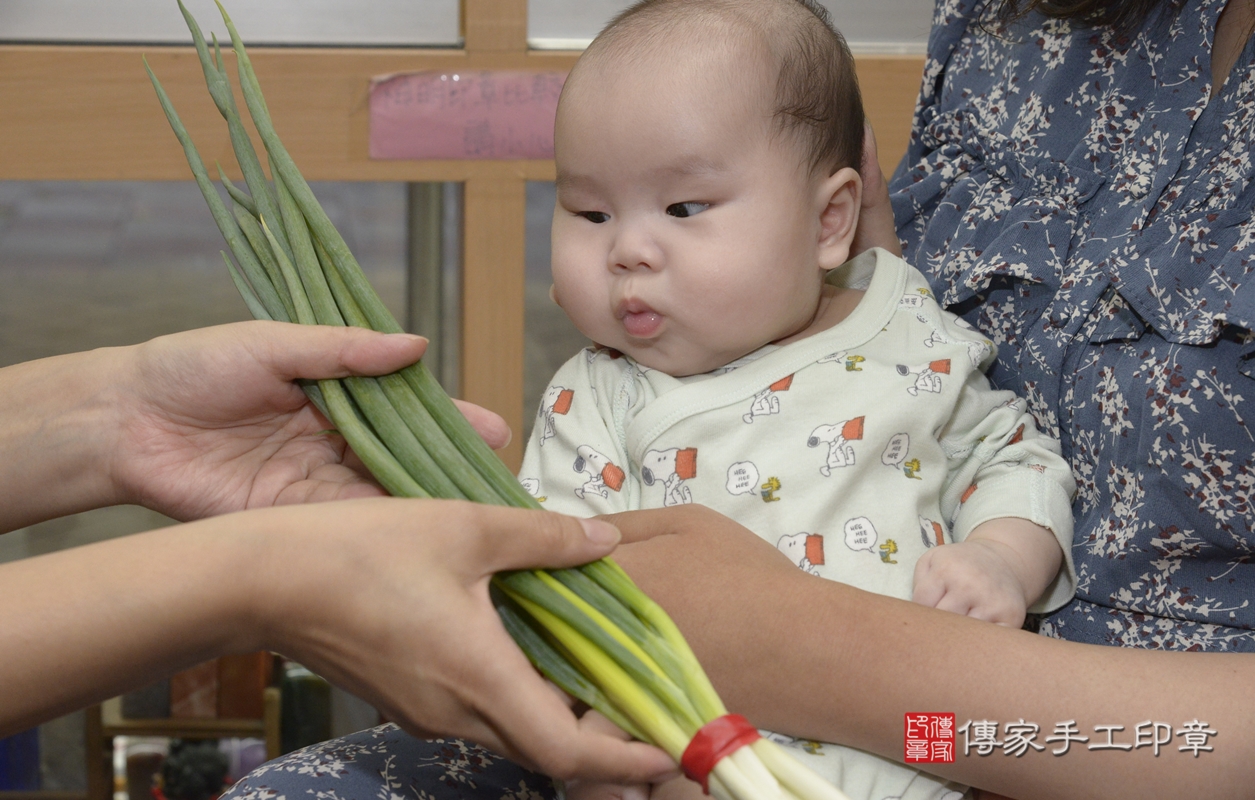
817, 97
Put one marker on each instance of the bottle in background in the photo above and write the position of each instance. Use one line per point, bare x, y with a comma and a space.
305, 718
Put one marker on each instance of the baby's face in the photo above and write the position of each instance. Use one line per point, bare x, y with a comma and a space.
686, 231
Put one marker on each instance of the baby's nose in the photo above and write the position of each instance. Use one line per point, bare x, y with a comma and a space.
635, 249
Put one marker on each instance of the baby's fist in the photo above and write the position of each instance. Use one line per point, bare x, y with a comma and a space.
972, 578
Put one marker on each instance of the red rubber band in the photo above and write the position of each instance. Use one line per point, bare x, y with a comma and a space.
720, 737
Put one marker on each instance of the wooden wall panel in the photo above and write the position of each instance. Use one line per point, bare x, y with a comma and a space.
89, 113
492, 301
890, 87
495, 25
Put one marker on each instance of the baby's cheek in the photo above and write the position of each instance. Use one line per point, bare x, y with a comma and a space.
587, 308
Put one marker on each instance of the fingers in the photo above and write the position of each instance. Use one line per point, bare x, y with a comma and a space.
598, 723
970, 596
869, 169
876, 226
528, 717
322, 351
954, 603
638, 526
928, 589
932, 589
569, 752
595, 790
491, 427
533, 725
552, 739
513, 538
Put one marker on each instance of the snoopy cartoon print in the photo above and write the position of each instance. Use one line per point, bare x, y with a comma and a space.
768, 400
932, 532
976, 351
603, 475
671, 468
838, 438
927, 377
557, 401
532, 487
804, 549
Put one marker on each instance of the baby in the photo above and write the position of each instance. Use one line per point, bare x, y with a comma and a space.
707, 198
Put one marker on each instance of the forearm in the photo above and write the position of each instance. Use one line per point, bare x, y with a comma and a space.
880, 658
88, 623
58, 413
819, 659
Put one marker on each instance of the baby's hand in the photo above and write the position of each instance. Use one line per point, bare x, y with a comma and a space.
994, 574
972, 578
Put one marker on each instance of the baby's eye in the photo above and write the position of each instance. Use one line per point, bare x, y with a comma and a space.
686, 209
595, 217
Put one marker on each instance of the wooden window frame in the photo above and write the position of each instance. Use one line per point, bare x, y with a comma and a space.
88, 113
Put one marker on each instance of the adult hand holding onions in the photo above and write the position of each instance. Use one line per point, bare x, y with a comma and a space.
152, 425
589, 630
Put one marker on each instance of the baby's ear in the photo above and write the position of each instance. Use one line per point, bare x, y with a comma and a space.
839, 197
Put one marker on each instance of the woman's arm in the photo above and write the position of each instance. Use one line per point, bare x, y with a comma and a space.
55, 410
819, 659
194, 424
387, 598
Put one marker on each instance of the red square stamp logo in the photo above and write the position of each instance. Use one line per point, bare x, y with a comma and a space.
929, 738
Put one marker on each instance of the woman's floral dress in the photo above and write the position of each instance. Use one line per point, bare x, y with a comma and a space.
1077, 196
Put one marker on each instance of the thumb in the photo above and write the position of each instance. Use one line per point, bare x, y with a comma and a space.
324, 351
516, 538
876, 225
869, 170
638, 526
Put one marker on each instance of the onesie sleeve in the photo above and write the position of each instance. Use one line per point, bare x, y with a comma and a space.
1000, 465
573, 462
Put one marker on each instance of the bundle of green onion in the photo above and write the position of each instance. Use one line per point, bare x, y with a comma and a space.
590, 630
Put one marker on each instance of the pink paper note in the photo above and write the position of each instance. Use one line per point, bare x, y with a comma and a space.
494, 114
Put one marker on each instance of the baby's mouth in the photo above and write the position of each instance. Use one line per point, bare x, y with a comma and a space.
639, 320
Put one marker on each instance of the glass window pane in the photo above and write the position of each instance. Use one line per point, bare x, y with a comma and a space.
309, 22
549, 337
87, 265
875, 25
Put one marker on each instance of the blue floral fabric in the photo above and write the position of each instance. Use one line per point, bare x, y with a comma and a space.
1080, 197
386, 763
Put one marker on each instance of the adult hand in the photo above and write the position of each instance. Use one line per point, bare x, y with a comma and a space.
876, 227
585, 789
727, 610
211, 421
415, 633
386, 597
